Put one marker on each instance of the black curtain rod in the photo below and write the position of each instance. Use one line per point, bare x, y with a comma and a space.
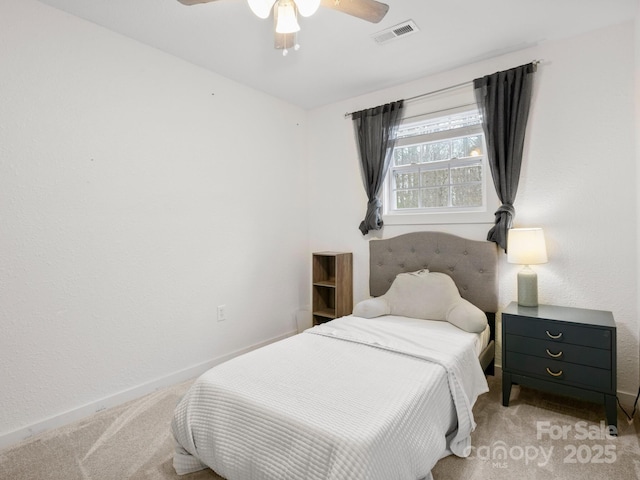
433, 92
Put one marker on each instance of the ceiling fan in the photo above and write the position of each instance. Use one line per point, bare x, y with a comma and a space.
285, 14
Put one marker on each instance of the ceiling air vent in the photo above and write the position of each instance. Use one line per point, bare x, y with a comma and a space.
401, 30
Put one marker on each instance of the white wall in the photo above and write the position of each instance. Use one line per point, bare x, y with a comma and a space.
136, 194
578, 180
637, 128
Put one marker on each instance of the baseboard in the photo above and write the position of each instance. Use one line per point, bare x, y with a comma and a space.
70, 416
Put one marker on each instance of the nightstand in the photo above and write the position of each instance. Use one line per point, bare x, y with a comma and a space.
567, 351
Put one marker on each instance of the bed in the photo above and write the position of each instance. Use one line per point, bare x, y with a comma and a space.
375, 397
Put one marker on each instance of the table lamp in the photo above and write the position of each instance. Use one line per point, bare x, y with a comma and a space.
525, 246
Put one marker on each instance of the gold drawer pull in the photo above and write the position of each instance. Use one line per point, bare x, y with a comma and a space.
553, 374
554, 355
555, 337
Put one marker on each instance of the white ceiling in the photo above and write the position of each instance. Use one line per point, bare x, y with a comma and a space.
338, 59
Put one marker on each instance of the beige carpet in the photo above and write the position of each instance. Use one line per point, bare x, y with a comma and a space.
133, 442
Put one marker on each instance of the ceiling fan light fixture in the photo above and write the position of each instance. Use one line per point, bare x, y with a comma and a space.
287, 21
262, 8
307, 7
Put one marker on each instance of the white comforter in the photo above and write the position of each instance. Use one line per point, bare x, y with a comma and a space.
374, 399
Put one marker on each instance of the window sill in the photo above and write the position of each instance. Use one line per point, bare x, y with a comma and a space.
439, 218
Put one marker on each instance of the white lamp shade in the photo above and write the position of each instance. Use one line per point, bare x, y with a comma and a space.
526, 246
307, 7
287, 21
262, 8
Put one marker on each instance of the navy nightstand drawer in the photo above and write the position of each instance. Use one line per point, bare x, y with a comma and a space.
560, 372
565, 352
559, 332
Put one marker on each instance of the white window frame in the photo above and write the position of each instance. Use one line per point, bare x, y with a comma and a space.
442, 215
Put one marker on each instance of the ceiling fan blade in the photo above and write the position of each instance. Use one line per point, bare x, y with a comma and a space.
195, 2
369, 10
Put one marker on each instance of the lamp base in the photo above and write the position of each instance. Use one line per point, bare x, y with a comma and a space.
527, 287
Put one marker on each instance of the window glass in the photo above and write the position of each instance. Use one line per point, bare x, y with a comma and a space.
438, 165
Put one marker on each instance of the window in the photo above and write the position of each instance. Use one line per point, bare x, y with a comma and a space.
438, 166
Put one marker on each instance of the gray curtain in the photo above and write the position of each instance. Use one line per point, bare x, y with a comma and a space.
503, 99
376, 130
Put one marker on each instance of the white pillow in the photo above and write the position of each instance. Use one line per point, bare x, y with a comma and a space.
426, 295
372, 307
422, 294
466, 316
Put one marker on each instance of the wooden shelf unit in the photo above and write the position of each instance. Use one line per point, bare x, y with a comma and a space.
332, 293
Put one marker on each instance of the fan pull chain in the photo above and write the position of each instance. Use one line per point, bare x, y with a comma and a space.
296, 45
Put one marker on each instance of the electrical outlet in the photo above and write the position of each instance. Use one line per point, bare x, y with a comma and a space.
222, 313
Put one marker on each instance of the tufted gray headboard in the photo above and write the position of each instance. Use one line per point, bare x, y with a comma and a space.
472, 264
